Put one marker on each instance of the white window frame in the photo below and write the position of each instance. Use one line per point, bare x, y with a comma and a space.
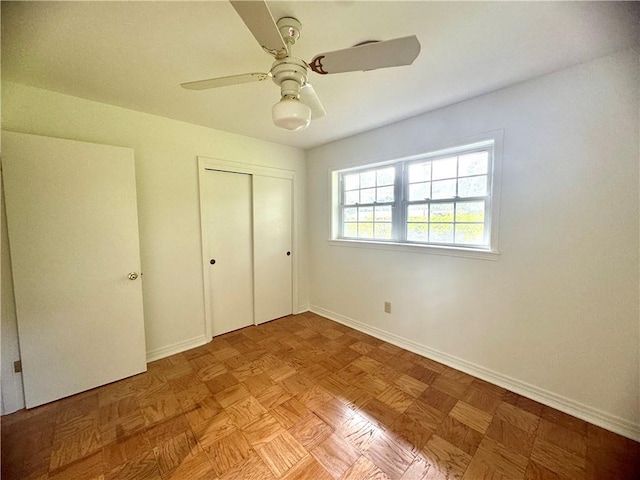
491, 141
396, 193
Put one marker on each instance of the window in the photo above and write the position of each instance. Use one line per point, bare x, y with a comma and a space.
442, 198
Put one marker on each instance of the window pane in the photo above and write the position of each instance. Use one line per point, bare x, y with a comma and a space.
417, 232
473, 164
417, 213
441, 212
383, 214
365, 214
472, 186
443, 189
470, 212
470, 234
445, 168
441, 232
384, 194
418, 191
351, 198
365, 230
368, 195
383, 231
350, 215
368, 179
420, 172
386, 176
350, 230
352, 181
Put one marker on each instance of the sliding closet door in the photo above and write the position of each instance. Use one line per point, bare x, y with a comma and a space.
229, 260
272, 214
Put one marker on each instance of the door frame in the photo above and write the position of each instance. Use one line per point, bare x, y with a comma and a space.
207, 163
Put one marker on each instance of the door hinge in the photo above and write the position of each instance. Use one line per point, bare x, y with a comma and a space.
17, 366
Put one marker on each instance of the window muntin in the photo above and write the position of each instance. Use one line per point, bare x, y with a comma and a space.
441, 199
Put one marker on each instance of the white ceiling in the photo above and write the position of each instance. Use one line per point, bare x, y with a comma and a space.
135, 55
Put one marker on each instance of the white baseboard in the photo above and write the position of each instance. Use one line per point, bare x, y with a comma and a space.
303, 308
566, 405
162, 352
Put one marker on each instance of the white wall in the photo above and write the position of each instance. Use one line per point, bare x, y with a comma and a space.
556, 317
168, 200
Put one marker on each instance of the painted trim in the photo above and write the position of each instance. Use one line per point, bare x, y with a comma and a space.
566, 405
303, 308
179, 347
209, 163
417, 248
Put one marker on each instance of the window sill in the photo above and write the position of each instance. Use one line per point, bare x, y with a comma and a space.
414, 248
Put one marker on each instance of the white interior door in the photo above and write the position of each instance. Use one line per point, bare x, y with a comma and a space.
227, 201
73, 235
272, 216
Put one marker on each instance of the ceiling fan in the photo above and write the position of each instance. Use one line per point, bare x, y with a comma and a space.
299, 102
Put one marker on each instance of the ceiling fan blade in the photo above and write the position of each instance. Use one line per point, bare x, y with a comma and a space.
225, 81
308, 97
258, 19
370, 56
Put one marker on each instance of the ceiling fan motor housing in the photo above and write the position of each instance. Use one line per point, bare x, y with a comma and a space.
289, 74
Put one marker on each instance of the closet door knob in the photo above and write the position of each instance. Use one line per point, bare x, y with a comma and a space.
212, 261
288, 253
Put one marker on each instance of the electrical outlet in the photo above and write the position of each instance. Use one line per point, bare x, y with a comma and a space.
387, 307
17, 366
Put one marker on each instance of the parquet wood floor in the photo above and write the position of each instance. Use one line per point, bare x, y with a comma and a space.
303, 397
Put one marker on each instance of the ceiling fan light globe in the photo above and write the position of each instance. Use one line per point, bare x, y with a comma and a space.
291, 114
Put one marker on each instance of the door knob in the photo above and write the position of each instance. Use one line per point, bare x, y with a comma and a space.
212, 261
132, 276
288, 253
